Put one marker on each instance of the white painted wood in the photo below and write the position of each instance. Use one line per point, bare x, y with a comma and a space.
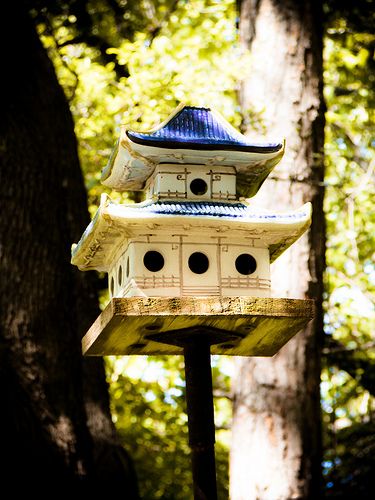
175, 279
172, 181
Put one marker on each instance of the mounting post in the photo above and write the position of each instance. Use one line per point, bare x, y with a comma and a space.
200, 410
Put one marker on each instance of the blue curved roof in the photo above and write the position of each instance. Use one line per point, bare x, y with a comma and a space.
199, 128
218, 209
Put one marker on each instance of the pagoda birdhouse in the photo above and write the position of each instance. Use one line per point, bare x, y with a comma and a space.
189, 267
194, 235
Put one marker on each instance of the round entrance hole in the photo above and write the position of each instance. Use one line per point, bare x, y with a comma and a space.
198, 187
153, 261
246, 264
127, 267
198, 262
120, 275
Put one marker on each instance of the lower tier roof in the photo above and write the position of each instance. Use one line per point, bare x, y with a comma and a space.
210, 208
115, 223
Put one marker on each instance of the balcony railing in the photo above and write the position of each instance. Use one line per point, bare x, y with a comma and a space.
157, 281
245, 282
147, 282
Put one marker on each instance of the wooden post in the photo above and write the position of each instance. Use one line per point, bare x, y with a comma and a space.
200, 410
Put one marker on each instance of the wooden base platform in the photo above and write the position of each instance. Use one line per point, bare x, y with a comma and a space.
234, 326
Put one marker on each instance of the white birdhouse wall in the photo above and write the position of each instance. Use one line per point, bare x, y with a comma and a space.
193, 182
190, 266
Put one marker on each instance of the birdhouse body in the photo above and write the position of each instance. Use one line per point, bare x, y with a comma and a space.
162, 264
193, 235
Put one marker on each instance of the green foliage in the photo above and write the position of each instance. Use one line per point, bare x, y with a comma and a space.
148, 407
348, 477
192, 59
349, 370
132, 63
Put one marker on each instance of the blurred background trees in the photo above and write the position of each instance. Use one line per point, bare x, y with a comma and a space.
276, 430
132, 62
56, 430
348, 374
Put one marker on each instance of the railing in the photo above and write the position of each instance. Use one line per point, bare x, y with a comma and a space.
223, 196
147, 282
157, 281
200, 290
245, 282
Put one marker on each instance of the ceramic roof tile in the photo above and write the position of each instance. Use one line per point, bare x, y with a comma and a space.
218, 209
200, 128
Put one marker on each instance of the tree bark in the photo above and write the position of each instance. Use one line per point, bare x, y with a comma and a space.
55, 424
276, 443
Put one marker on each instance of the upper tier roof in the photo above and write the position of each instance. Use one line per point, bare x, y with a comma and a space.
200, 128
191, 135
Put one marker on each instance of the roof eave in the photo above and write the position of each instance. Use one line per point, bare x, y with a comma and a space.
104, 235
131, 164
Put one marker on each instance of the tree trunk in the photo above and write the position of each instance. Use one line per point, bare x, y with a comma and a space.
276, 444
55, 423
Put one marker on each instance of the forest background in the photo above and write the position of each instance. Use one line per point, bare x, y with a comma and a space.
130, 62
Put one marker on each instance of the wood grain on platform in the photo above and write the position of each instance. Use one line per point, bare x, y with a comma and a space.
239, 326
